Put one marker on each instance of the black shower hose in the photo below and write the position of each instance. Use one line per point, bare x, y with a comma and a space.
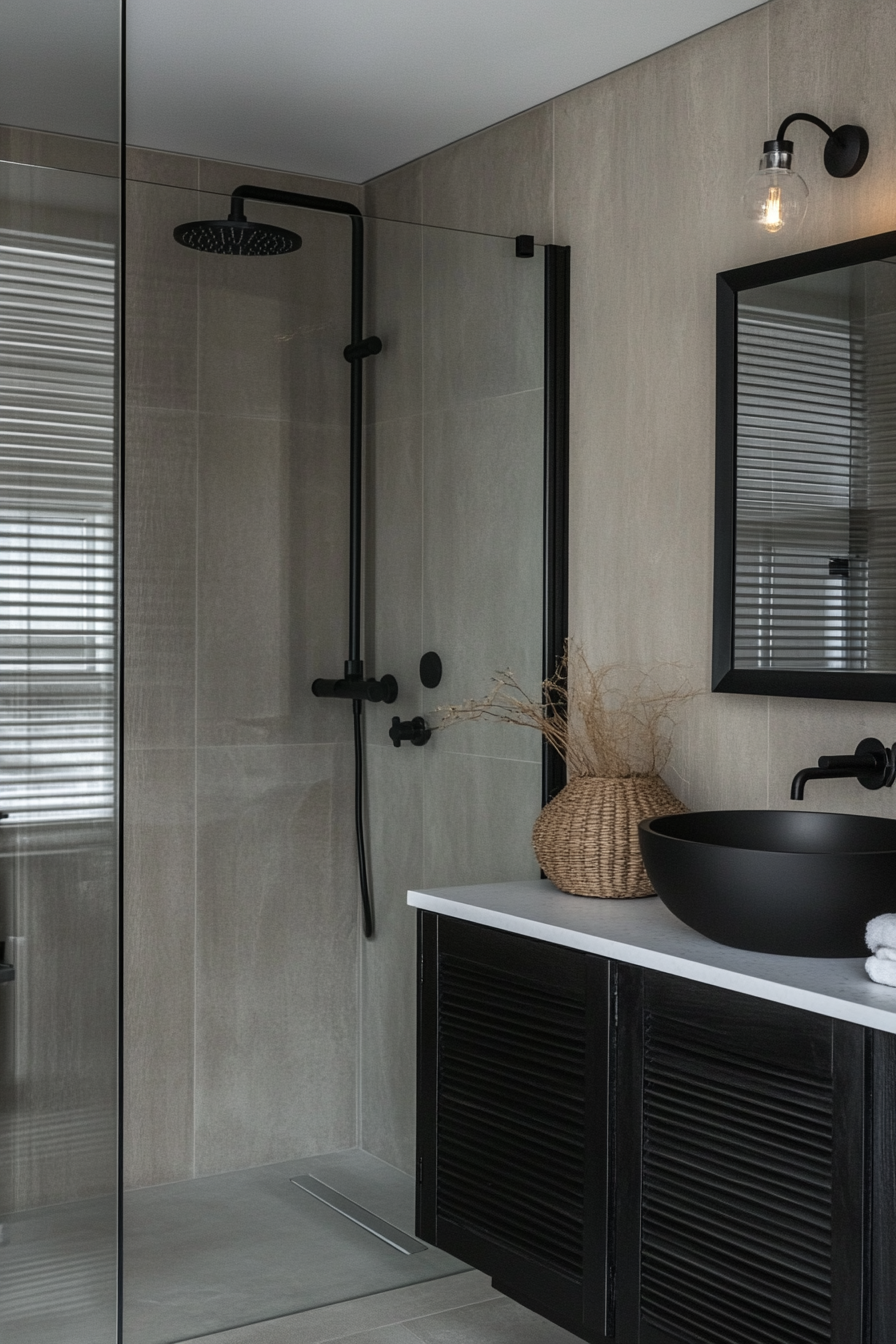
366, 901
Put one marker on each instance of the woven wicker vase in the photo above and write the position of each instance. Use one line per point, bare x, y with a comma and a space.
586, 839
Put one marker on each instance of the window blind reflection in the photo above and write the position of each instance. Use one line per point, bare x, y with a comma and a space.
57, 617
802, 480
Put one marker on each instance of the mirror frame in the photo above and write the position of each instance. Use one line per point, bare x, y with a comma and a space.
725, 676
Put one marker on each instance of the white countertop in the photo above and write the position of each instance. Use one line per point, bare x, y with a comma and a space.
644, 933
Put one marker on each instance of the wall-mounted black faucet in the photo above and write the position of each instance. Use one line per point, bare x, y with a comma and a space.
873, 765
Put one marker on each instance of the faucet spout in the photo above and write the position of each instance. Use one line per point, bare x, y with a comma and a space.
798, 785
872, 764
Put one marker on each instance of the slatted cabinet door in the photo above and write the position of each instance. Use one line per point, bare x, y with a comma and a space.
512, 1115
740, 1208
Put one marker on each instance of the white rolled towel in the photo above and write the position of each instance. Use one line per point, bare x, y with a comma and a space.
882, 970
881, 932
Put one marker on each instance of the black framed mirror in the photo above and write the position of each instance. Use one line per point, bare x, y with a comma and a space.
805, 532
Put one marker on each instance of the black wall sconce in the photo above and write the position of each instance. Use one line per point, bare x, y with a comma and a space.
776, 196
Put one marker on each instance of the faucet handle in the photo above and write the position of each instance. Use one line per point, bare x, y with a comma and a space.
873, 764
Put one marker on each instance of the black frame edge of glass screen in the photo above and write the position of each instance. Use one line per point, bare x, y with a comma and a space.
120, 419
556, 487
879, 686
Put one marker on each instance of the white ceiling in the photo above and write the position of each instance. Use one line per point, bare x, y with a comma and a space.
338, 88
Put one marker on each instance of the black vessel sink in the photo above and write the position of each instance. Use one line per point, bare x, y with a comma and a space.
802, 884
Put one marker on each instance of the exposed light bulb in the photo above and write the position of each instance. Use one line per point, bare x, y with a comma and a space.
772, 218
776, 196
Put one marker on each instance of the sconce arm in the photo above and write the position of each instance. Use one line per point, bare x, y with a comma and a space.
803, 116
846, 148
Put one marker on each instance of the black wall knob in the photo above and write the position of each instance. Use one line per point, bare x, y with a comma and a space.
416, 731
430, 670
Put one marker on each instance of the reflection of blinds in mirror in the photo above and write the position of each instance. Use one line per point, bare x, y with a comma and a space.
57, 649
801, 554
880, 393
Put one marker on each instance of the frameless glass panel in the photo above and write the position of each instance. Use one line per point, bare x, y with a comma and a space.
456, 553
58, 847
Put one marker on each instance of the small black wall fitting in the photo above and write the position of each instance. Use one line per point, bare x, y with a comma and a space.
430, 670
775, 195
873, 765
416, 731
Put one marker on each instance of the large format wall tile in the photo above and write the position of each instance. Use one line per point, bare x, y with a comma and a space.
483, 559
484, 319
649, 225
396, 195
160, 578
835, 60
273, 579
276, 959
71, 153
243, 583
159, 915
394, 313
394, 534
160, 299
388, 962
499, 181
478, 818
272, 330
167, 170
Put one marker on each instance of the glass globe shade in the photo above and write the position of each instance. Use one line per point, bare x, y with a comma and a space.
776, 198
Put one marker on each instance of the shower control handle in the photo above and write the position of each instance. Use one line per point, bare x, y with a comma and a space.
416, 731
372, 345
384, 691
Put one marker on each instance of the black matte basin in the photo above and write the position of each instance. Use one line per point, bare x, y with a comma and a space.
802, 884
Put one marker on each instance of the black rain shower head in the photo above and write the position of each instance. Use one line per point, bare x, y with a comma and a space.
237, 236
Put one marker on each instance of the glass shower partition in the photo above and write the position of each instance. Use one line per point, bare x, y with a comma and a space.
59, 889
266, 1041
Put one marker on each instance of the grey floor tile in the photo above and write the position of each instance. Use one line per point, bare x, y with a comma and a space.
58, 1275
386, 1334
497, 1322
221, 1252
342, 1320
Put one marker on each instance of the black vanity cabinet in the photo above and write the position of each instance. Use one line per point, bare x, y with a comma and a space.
645, 1159
512, 1114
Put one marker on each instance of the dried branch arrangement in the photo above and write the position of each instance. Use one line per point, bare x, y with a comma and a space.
605, 722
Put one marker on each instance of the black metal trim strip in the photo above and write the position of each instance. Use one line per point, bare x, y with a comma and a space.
556, 486
119, 791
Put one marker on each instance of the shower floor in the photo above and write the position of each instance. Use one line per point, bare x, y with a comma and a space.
212, 1253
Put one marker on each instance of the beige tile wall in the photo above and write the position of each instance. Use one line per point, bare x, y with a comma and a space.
641, 174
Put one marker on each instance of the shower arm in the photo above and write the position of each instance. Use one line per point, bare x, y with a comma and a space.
353, 685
